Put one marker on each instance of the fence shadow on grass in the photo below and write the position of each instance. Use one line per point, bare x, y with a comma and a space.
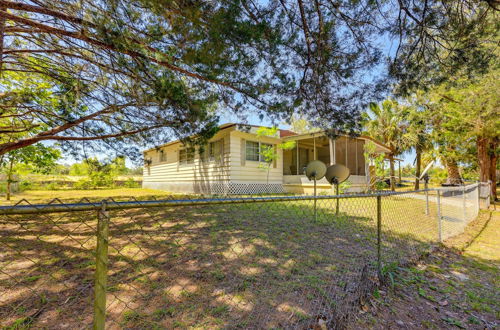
258, 265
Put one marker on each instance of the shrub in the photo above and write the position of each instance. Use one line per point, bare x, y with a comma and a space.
83, 184
344, 186
131, 183
381, 185
25, 185
101, 179
52, 186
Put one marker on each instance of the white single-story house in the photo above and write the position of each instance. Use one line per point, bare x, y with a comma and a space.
231, 163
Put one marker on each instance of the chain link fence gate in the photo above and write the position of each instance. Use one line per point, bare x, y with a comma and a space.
249, 262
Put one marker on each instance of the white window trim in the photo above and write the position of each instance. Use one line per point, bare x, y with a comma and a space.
259, 152
164, 153
187, 163
213, 158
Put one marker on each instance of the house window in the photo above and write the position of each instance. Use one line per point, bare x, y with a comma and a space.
254, 149
163, 156
186, 156
215, 150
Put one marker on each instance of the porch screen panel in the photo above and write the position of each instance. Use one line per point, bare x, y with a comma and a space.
351, 156
288, 162
303, 159
361, 157
340, 150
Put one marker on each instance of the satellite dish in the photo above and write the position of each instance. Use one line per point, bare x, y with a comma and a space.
315, 170
337, 174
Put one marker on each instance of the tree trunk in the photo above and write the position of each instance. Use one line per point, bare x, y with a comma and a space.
483, 159
9, 181
493, 159
417, 167
391, 173
453, 172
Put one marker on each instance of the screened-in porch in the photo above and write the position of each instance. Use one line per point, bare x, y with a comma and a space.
344, 150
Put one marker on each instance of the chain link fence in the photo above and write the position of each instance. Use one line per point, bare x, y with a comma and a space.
248, 262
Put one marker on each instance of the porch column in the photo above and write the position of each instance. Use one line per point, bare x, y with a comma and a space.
331, 142
346, 151
314, 148
297, 157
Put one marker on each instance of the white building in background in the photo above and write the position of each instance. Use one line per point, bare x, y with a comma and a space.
230, 162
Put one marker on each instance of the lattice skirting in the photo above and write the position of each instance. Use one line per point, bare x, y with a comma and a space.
231, 188
218, 188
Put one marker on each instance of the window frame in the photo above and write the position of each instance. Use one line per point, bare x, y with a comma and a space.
188, 160
213, 154
246, 151
259, 150
163, 156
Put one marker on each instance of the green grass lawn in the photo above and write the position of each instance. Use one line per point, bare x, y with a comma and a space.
264, 265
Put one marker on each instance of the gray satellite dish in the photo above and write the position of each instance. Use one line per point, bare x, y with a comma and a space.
336, 174
315, 170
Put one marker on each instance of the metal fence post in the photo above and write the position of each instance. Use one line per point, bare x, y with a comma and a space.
379, 234
478, 196
464, 204
440, 236
101, 272
490, 196
426, 201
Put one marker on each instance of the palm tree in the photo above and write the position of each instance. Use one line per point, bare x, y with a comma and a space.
417, 118
387, 123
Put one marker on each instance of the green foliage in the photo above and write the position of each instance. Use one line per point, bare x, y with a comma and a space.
387, 123
299, 124
131, 183
377, 160
36, 158
83, 184
380, 185
268, 153
344, 186
101, 174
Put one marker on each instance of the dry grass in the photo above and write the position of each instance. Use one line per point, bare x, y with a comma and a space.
456, 286
264, 265
45, 196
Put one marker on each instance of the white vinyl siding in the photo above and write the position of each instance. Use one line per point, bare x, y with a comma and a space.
198, 171
250, 171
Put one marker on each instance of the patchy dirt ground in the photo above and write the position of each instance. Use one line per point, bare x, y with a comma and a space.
457, 286
250, 265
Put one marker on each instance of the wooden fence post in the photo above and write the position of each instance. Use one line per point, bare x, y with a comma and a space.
101, 272
440, 235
